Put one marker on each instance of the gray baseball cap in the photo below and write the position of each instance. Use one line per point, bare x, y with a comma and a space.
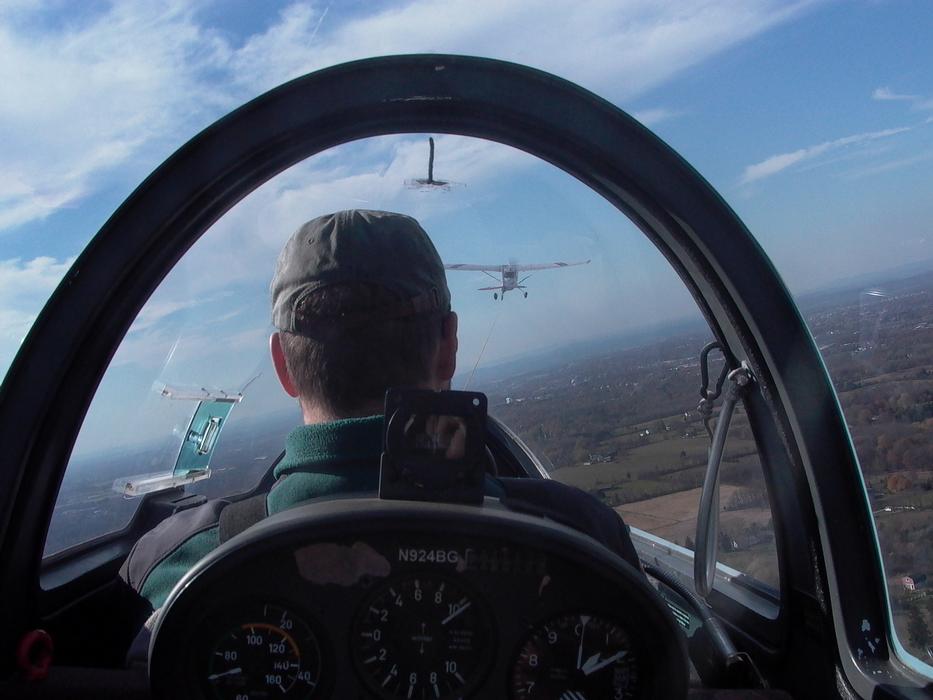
380, 248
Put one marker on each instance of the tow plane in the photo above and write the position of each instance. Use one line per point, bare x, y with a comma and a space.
508, 274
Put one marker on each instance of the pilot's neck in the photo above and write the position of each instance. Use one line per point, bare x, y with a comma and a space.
313, 413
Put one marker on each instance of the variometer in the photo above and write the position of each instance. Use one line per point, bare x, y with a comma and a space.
421, 637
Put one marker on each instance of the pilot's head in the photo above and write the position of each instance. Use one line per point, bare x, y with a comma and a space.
361, 304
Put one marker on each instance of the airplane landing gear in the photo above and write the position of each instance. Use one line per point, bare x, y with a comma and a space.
526, 294
495, 295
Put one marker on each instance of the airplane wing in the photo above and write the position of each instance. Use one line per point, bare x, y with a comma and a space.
481, 268
548, 266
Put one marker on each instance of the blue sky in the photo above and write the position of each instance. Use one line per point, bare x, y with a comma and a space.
813, 119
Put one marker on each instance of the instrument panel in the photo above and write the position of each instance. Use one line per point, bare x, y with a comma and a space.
427, 602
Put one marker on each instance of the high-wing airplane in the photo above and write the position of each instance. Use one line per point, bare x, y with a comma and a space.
431, 598
508, 274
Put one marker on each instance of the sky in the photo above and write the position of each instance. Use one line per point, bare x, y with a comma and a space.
814, 120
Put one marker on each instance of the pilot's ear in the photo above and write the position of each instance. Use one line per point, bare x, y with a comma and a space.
281, 368
447, 350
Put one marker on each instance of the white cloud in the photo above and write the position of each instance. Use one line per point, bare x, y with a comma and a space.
782, 161
157, 309
14, 325
917, 101
368, 174
890, 165
100, 99
627, 47
650, 117
81, 101
37, 276
24, 287
253, 339
886, 94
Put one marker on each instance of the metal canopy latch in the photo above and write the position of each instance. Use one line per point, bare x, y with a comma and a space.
207, 439
707, 534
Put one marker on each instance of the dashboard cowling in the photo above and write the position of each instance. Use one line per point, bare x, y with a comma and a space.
455, 596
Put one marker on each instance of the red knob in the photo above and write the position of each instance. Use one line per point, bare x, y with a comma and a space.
34, 654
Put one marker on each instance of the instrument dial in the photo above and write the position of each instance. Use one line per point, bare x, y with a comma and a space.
578, 657
422, 638
274, 654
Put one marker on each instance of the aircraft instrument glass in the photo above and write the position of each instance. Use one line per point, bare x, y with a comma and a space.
421, 637
273, 654
575, 656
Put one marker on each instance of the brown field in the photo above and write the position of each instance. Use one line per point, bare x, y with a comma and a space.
674, 517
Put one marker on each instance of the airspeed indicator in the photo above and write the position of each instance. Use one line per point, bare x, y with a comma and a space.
271, 654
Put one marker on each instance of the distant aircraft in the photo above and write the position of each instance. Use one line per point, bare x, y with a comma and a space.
508, 274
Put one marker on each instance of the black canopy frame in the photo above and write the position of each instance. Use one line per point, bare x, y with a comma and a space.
822, 516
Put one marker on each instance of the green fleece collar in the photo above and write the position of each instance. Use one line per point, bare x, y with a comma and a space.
328, 460
323, 447
334, 459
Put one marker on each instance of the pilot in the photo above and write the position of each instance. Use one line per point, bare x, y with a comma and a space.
361, 304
